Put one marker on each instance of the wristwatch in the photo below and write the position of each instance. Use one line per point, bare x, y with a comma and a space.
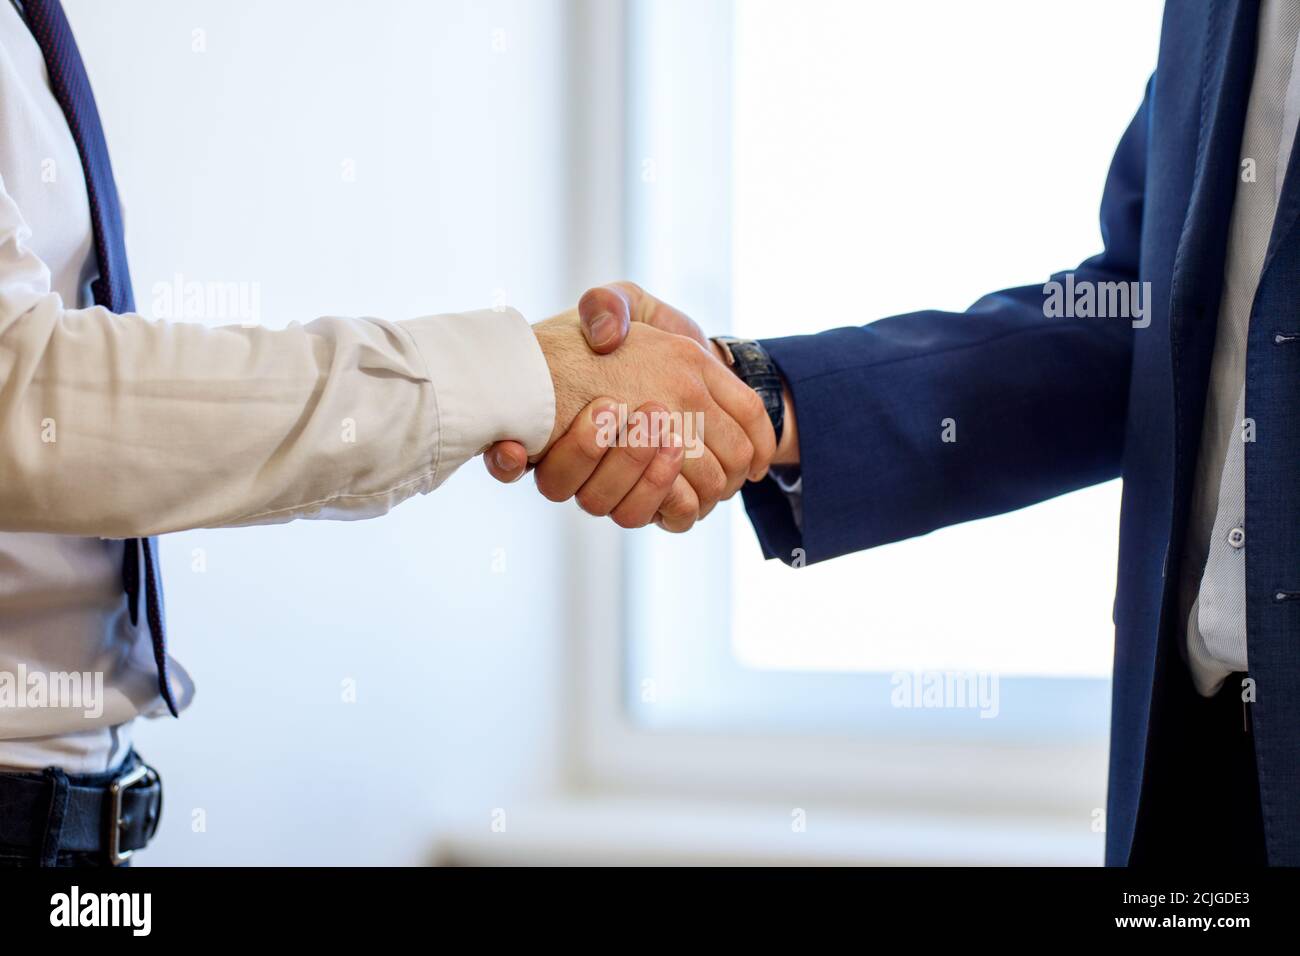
750, 361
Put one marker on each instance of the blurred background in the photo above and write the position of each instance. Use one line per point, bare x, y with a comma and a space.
484, 677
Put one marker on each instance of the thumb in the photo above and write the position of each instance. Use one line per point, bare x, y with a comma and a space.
506, 461
605, 314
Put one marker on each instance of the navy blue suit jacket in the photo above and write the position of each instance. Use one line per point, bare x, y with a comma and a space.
1047, 405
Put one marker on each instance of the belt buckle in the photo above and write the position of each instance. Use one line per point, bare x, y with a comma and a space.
142, 773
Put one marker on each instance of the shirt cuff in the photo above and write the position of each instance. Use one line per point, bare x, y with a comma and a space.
790, 480
490, 381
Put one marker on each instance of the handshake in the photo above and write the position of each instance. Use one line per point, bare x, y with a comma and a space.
651, 425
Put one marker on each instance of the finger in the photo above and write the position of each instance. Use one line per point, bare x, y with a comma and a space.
604, 313
506, 461
701, 469
623, 466
681, 509
640, 306
746, 409
728, 444
639, 507
576, 453
651, 311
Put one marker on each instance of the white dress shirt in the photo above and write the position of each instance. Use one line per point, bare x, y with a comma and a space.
1214, 566
114, 426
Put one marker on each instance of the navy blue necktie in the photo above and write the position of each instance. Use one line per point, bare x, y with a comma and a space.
71, 87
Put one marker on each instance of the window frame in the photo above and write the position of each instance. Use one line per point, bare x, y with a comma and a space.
607, 750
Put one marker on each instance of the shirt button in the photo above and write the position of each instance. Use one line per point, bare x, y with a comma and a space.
1237, 538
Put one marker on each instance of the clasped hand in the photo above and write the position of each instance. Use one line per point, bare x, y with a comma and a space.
650, 424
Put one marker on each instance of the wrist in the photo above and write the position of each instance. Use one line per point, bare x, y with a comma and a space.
558, 339
750, 361
787, 449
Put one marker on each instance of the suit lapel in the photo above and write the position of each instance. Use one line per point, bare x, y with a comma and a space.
1196, 283
1225, 92
1197, 280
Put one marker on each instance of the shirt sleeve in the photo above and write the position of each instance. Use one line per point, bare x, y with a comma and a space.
119, 426
790, 480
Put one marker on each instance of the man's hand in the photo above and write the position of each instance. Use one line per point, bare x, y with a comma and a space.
606, 313
630, 483
610, 316
722, 423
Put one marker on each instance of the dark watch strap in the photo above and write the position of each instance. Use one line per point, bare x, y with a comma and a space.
750, 361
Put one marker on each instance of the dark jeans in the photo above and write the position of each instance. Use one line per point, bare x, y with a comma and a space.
49, 853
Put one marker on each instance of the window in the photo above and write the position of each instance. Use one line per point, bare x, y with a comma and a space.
796, 167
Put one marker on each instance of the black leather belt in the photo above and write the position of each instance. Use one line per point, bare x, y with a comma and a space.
112, 813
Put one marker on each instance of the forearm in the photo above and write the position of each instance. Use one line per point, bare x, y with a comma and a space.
926, 420
116, 426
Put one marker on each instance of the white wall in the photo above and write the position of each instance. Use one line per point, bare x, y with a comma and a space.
231, 165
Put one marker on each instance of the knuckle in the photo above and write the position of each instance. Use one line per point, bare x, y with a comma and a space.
677, 507
712, 486
549, 488
589, 448
739, 456
685, 350
680, 525
593, 503
670, 510
629, 519
640, 451
659, 476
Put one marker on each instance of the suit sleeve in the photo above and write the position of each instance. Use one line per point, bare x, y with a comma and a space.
1031, 406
